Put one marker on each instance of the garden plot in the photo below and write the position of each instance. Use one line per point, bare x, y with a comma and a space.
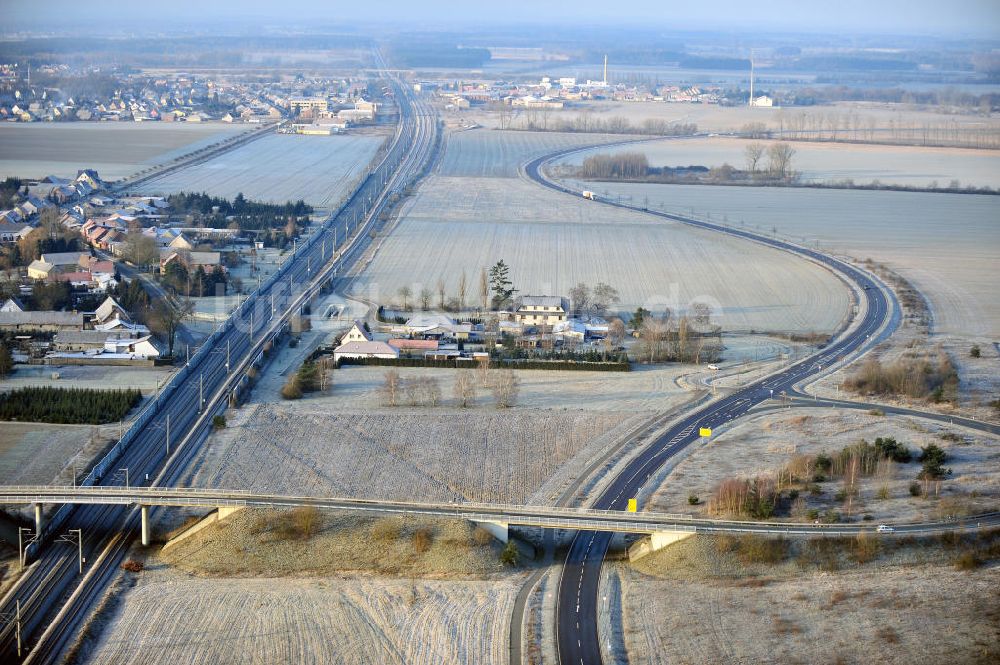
278, 168
168, 618
764, 443
478, 455
901, 614
552, 242
488, 153
825, 162
945, 244
115, 150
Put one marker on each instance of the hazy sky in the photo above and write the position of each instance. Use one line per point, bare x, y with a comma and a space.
979, 18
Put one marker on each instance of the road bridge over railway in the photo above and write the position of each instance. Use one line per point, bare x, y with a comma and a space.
666, 526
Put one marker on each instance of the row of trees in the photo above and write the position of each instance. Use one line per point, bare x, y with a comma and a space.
689, 338
763, 162
495, 289
621, 166
426, 390
586, 121
68, 405
592, 302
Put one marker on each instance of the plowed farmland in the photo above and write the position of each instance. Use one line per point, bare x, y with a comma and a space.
946, 244
166, 620
552, 241
278, 168
115, 150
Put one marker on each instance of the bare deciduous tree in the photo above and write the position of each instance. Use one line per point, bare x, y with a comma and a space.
391, 388
484, 289
425, 298
404, 294
579, 297
604, 296
440, 292
462, 290
464, 388
752, 154
780, 159
505, 387
483, 370
653, 334
167, 317
432, 391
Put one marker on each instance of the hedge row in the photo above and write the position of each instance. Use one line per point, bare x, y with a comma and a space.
571, 365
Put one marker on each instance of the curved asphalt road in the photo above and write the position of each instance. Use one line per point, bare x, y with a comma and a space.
577, 636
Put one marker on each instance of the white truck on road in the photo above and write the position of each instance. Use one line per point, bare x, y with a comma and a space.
587, 194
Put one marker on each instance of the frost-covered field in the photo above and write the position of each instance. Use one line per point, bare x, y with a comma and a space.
36, 453
487, 153
476, 455
902, 615
823, 162
279, 168
115, 150
168, 619
946, 244
552, 241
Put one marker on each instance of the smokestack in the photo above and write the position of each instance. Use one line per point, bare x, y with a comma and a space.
750, 102
605, 69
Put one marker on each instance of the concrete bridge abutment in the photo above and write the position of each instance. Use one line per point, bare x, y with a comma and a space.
655, 542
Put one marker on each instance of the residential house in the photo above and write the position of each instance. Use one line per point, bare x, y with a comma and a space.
358, 333
12, 232
40, 321
365, 350
40, 269
541, 310
64, 260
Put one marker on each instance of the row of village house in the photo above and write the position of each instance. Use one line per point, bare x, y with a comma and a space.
108, 335
539, 322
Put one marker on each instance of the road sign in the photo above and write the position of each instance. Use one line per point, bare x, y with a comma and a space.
705, 431
632, 506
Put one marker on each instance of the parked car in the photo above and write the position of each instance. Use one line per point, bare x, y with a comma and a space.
714, 368
885, 528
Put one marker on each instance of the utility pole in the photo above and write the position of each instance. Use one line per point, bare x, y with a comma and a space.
22, 544
168, 435
228, 349
78, 541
